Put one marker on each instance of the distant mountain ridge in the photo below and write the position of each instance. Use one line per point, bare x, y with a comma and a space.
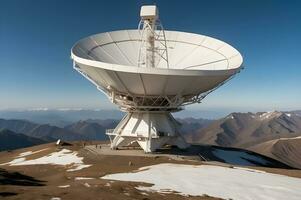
44, 132
190, 125
10, 140
91, 130
260, 132
81, 130
59, 117
286, 150
247, 129
47, 131
18, 126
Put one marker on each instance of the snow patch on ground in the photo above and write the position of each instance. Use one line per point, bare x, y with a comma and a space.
78, 167
64, 186
28, 153
13, 162
87, 185
63, 157
238, 157
222, 182
55, 198
293, 138
82, 178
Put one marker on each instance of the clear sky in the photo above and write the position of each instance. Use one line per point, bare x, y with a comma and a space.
36, 38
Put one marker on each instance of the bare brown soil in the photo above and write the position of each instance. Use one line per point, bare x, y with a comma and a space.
285, 150
43, 181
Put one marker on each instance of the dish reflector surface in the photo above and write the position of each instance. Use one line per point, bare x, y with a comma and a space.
197, 64
186, 51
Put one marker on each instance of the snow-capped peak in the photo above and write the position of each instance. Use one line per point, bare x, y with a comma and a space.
269, 115
230, 116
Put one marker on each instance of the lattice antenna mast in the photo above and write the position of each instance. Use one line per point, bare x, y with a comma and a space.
153, 49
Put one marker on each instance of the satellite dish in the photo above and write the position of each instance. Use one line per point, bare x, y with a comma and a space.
151, 72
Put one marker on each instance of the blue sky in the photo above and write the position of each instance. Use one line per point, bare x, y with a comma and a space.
36, 38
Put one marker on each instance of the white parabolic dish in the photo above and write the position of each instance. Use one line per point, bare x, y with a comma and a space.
197, 64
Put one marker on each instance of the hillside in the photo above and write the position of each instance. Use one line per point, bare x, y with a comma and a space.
18, 126
190, 125
89, 130
41, 131
287, 150
60, 117
53, 133
74, 172
247, 129
10, 140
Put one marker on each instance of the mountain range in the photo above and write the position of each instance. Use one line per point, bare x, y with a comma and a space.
59, 117
81, 130
92, 129
286, 150
274, 134
10, 140
247, 129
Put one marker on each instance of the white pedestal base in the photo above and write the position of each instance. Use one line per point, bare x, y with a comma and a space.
151, 130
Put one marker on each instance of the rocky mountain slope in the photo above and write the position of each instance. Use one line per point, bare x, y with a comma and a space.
287, 150
89, 130
10, 140
59, 117
45, 132
81, 130
243, 130
190, 125
52, 133
18, 126
247, 129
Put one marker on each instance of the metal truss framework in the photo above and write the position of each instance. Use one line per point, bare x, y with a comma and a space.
129, 102
159, 50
